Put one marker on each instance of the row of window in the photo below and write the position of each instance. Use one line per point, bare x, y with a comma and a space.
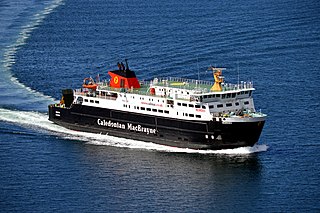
147, 109
160, 111
227, 105
191, 115
91, 101
191, 105
228, 95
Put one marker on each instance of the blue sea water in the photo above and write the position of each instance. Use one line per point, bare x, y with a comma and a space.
53, 44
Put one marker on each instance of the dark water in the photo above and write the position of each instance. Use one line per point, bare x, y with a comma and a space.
49, 45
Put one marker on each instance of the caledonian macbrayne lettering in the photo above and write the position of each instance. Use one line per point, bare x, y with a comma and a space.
129, 126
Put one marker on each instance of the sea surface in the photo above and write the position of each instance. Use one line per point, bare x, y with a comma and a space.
49, 45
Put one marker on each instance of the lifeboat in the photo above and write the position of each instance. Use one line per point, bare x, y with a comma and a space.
89, 84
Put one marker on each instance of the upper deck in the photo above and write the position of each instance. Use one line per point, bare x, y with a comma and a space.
198, 86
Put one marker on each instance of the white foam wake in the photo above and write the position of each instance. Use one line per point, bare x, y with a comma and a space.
11, 50
39, 121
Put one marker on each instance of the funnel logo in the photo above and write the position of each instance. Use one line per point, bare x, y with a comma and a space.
116, 80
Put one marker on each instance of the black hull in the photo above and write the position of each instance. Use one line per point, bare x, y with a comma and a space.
165, 131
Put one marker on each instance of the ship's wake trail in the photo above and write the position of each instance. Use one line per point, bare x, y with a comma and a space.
39, 122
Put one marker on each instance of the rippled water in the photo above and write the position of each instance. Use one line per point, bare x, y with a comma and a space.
49, 45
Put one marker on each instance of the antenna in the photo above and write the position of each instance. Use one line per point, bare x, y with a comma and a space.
238, 72
198, 67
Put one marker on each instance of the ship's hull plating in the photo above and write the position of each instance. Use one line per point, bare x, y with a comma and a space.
166, 131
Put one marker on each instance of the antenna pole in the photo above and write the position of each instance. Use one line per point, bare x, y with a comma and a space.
198, 68
238, 72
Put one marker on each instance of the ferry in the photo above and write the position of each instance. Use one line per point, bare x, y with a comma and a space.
177, 112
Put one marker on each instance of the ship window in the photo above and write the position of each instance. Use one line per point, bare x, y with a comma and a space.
91, 101
148, 109
205, 96
209, 96
179, 104
211, 106
223, 96
85, 100
197, 106
154, 110
246, 92
229, 104
184, 104
233, 95
191, 115
250, 93
97, 102
246, 102
218, 95
228, 95
198, 116
166, 111
237, 104
186, 114
219, 105
143, 108
191, 105
187, 93
160, 110
203, 107
138, 107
